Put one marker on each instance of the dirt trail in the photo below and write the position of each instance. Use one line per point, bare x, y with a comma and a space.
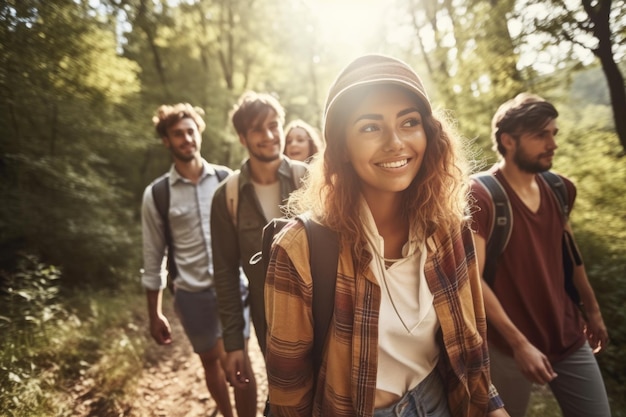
173, 385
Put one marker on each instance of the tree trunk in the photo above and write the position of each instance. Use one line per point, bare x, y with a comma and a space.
143, 22
227, 45
600, 16
615, 80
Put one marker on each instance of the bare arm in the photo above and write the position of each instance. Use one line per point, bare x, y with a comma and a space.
153, 281
159, 326
595, 330
531, 362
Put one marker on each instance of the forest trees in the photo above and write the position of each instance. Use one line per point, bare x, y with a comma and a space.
476, 58
208, 52
80, 80
597, 26
62, 88
472, 59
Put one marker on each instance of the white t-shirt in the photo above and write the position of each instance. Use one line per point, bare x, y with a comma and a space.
407, 347
269, 197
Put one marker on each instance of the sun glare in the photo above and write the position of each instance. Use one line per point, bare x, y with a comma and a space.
351, 25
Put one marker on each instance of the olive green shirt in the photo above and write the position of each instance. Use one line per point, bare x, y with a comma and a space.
234, 246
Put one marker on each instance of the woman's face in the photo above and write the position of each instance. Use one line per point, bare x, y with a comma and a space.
298, 144
385, 141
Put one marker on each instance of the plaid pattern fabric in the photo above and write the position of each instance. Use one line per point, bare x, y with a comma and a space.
346, 382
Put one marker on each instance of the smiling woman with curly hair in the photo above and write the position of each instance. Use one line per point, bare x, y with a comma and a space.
407, 336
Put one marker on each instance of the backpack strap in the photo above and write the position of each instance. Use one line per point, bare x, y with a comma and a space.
161, 196
501, 223
324, 260
298, 171
559, 190
232, 195
222, 174
571, 255
270, 230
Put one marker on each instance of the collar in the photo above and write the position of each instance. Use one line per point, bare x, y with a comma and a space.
245, 176
207, 169
374, 238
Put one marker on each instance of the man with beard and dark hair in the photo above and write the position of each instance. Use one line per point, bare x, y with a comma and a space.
242, 206
536, 333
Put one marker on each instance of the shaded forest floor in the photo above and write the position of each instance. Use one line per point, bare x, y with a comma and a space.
171, 383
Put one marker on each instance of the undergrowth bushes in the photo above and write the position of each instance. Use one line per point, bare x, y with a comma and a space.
59, 351
30, 312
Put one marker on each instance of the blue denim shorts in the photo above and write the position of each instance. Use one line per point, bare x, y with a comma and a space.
200, 318
428, 399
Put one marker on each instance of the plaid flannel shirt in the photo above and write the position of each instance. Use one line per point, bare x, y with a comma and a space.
346, 382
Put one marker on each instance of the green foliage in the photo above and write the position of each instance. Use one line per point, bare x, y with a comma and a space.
81, 225
542, 403
595, 28
29, 303
30, 310
51, 343
63, 85
588, 155
207, 53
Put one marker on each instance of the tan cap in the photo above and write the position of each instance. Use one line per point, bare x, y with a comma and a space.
369, 70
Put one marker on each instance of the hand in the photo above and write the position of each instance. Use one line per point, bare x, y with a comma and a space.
236, 369
499, 412
160, 330
534, 364
596, 332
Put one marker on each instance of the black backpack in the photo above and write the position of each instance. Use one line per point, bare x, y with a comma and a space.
502, 224
323, 258
161, 196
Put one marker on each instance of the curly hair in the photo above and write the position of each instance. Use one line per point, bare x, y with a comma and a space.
167, 116
436, 198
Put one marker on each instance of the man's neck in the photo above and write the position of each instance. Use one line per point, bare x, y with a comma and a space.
264, 172
518, 179
190, 170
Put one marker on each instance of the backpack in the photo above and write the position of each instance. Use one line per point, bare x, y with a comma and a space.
323, 259
502, 224
161, 196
